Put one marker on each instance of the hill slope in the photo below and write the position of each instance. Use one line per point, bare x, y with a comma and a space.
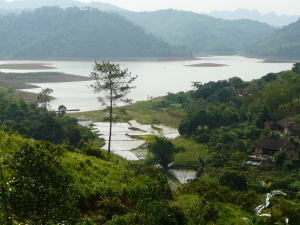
200, 33
52, 32
283, 43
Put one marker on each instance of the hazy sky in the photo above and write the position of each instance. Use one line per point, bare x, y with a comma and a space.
288, 7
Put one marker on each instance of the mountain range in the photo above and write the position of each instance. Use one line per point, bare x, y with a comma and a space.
33, 4
198, 32
77, 29
53, 32
270, 18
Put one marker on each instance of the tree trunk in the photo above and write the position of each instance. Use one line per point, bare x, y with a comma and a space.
110, 121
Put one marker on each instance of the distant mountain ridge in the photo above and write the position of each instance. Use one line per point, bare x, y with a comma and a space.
201, 34
33, 4
270, 18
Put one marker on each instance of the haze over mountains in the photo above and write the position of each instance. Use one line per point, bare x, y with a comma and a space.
270, 18
75, 29
53, 32
33, 4
284, 43
200, 33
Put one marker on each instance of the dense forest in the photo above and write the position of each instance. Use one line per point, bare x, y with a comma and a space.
52, 32
52, 169
283, 43
200, 33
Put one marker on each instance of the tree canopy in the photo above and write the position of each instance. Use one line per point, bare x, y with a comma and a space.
112, 84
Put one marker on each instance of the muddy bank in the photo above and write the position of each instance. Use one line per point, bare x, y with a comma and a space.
26, 66
20, 80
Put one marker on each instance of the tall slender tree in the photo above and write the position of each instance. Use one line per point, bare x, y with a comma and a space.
114, 84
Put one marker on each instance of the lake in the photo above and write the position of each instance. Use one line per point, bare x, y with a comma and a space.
154, 78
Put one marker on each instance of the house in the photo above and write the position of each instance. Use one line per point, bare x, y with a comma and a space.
271, 124
266, 148
288, 126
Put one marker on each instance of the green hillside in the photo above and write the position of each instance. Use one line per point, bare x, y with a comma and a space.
283, 43
52, 170
73, 33
200, 33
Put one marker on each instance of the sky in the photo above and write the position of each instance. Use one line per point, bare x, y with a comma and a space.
288, 7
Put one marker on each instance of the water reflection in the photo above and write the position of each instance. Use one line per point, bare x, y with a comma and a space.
124, 136
183, 175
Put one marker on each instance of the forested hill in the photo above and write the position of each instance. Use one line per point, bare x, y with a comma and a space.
200, 33
283, 43
74, 33
33, 4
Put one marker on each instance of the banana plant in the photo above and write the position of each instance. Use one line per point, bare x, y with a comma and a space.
265, 199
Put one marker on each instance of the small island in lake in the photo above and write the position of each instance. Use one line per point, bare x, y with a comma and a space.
207, 65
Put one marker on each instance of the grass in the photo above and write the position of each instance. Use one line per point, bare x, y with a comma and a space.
193, 150
95, 116
145, 112
28, 96
142, 112
97, 177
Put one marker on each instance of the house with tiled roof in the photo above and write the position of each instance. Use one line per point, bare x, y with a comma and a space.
288, 126
271, 124
266, 148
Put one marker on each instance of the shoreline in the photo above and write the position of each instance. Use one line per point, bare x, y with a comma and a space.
99, 59
26, 66
27, 80
271, 59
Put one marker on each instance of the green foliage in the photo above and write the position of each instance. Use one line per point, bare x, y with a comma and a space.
44, 97
296, 68
234, 180
193, 151
257, 213
41, 123
163, 151
43, 191
280, 158
114, 84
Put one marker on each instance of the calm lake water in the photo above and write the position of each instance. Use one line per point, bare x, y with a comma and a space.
154, 78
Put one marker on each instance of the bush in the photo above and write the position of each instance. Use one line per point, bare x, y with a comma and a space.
234, 180
93, 151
